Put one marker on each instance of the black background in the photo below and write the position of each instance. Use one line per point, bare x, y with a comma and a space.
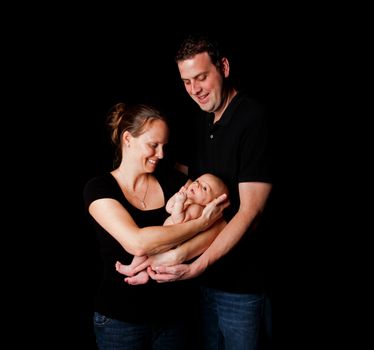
64, 71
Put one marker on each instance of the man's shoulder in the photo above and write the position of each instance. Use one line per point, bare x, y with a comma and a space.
245, 102
247, 110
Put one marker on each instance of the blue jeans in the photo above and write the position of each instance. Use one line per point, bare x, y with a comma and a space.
231, 321
117, 335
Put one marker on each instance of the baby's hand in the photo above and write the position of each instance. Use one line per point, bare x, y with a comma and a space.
181, 196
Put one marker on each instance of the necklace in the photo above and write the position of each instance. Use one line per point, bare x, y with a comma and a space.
142, 201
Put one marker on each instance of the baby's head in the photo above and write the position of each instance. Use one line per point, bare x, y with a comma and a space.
205, 188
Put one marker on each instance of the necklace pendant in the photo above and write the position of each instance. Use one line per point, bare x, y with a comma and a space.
143, 205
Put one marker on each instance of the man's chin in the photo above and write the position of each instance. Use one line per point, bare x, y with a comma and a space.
205, 108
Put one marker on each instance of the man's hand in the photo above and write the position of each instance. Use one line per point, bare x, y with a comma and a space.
179, 272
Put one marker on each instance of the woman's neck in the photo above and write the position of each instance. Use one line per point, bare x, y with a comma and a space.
131, 180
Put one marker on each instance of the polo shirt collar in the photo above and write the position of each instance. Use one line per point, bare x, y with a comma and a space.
228, 113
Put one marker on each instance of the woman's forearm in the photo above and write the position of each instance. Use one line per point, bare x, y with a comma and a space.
186, 251
111, 215
156, 239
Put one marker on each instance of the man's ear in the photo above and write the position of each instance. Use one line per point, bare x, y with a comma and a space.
225, 67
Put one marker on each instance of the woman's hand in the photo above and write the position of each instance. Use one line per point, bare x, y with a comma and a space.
214, 209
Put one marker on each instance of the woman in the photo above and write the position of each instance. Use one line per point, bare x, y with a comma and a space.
128, 208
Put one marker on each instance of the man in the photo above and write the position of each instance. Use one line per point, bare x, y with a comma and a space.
232, 143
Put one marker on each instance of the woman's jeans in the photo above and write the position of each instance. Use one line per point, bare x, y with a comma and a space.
231, 321
117, 335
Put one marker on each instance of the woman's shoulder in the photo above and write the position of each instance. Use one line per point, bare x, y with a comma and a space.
99, 180
99, 186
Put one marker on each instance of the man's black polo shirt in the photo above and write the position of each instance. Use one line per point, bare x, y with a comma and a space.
237, 149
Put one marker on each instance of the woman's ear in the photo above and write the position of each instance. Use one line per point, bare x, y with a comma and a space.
126, 137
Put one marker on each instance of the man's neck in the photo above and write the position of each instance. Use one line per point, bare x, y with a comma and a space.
226, 99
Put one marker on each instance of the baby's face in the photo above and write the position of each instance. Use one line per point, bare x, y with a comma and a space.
202, 190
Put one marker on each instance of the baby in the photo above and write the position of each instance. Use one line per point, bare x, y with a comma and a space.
185, 205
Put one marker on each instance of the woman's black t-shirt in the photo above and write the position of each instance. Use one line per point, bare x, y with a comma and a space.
115, 298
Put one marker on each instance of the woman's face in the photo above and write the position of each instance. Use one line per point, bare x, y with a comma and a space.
148, 148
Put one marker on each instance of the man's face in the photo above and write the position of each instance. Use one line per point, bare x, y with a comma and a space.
203, 81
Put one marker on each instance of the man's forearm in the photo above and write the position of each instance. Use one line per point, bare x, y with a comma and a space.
223, 243
198, 244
